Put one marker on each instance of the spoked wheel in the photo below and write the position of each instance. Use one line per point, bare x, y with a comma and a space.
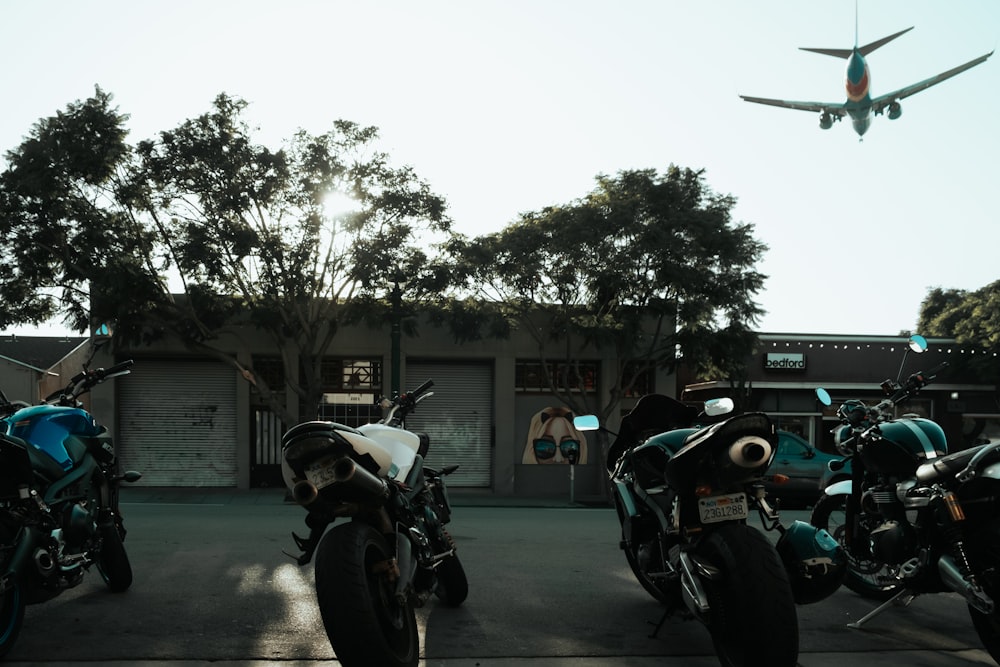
865, 576
752, 619
365, 622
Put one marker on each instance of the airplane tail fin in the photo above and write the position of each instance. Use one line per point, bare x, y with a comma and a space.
864, 50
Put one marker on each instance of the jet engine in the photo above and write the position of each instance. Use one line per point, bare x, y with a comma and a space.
825, 121
895, 111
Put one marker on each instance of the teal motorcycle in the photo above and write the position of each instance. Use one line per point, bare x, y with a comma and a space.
58, 501
913, 518
684, 495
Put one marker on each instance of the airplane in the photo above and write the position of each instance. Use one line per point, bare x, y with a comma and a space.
860, 105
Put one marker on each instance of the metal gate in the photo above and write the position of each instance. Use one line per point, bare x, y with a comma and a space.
177, 423
458, 418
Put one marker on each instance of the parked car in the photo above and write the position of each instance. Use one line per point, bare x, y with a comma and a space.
806, 468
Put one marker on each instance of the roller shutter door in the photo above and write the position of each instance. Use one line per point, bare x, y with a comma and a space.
458, 418
177, 423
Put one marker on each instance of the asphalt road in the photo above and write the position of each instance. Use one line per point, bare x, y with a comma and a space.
548, 588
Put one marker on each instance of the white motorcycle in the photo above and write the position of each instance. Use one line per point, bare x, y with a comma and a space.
393, 553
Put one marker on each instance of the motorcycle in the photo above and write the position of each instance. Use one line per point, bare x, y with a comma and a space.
683, 497
913, 518
394, 552
58, 500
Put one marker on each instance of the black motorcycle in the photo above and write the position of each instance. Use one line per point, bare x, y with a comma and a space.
683, 498
914, 519
58, 501
393, 552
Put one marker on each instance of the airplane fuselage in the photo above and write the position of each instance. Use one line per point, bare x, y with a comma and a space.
858, 83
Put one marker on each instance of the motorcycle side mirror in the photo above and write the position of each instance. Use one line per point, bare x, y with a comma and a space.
918, 343
824, 396
718, 406
586, 423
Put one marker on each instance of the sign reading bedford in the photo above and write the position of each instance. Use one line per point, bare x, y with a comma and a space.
787, 361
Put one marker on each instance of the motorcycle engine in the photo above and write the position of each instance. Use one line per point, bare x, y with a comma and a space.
893, 542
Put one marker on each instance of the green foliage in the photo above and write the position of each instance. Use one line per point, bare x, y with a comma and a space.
971, 318
202, 228
643, 264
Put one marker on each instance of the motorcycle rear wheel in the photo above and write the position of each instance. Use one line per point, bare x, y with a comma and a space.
752, 620
364, 621
862, 574
984, 553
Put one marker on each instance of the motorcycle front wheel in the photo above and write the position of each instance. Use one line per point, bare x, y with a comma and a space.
452, 584
114, 565
752, 617
11, 602
865, 576
364, 621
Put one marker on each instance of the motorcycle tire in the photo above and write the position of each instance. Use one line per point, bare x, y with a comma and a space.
829, 514
752, 617
984, 554
452, 584
12, 602
364, 621
113, 564
631, 555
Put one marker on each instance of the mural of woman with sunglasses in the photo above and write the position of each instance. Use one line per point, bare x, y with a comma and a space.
552, 438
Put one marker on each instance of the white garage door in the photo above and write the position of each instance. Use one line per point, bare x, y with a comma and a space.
177, 423
458, 418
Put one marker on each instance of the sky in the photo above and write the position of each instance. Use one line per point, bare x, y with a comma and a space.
508, 106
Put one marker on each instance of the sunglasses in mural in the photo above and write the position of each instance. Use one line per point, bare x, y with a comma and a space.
553, 439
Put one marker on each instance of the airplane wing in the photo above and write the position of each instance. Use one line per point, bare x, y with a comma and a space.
882, 101
832, 108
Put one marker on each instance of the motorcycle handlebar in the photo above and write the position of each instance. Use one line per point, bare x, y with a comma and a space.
422, 388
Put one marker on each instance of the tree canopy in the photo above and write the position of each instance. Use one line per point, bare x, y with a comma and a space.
202, 227
971, 318
643, 265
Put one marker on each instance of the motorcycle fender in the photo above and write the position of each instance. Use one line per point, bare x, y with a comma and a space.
841, 488
990, 471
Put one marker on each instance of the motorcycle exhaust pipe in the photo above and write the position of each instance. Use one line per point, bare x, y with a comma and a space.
953, 579
347, 472
750, 451
44, 562
304, 492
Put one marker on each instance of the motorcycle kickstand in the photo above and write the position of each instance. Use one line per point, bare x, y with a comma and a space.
894, 600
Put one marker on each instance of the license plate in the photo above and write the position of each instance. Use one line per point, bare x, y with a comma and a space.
730, 507
320, 472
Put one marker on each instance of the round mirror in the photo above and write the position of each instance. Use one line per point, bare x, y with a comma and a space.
824, 396
918, 343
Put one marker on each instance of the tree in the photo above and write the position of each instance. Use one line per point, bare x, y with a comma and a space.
202, 232
971, 318
643, 265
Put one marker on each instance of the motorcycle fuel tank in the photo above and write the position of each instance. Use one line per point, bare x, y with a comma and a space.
904, 444
50, 429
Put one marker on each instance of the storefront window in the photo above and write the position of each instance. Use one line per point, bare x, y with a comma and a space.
530, 376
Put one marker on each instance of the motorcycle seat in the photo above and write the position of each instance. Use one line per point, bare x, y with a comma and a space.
948, 466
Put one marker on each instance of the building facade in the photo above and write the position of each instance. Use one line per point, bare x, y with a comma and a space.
786, 369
